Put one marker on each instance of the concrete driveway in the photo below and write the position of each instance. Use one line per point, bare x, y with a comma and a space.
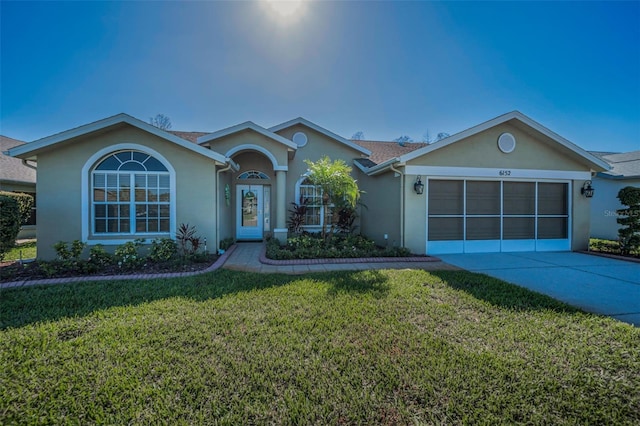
595, 284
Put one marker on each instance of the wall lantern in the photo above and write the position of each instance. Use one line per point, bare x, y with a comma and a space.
418, 186
587, 189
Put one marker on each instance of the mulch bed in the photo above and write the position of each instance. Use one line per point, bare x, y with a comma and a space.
14, 271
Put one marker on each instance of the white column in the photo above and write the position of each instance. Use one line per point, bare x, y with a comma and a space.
280, 231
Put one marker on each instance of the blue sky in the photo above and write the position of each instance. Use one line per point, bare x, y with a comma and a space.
384, 68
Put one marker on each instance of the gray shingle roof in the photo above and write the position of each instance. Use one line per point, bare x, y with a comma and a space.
12, 169
625, 165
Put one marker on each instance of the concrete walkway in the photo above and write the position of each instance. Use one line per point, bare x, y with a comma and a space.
596, 284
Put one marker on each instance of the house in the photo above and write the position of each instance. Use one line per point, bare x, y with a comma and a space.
16, 176
625, 171
507, 184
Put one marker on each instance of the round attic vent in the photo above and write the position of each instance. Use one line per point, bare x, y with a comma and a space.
506, 143
300, 139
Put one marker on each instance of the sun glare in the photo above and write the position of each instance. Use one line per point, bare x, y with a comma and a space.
285, 9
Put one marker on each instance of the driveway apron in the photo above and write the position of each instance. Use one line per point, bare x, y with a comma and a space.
593, 283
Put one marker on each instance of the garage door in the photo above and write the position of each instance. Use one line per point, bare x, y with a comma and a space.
467, 216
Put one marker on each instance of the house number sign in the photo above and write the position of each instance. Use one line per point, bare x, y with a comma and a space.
504, 173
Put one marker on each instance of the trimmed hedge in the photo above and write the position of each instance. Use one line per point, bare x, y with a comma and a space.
25, 203
10, 220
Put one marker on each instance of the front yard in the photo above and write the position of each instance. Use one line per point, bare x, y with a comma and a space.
386, 347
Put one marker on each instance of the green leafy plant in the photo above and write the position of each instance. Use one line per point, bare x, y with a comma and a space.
629, 218
72, 252
128, 256
339, 188
25, 203
10, 221
99, 257
226, 243
163, 250
188, 241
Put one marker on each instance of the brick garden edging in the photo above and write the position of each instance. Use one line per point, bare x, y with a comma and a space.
342, 260
216, 265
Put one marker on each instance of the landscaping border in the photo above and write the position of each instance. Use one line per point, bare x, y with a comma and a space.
342, 260
214, 266
611, 256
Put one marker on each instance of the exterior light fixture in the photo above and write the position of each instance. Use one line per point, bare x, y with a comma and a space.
587, 189
418, 186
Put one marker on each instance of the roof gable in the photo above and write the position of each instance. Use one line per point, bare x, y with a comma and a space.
593, 161
321, 130
247, 125
29, 150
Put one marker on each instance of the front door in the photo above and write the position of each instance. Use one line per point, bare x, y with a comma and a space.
249, 212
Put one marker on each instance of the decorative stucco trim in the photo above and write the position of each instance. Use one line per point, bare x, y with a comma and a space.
266, 152
85, 204
504, 173
247, 125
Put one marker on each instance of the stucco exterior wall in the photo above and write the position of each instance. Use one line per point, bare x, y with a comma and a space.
318, 145
481, 150
249, 137
382, 198
59, 186
604, 205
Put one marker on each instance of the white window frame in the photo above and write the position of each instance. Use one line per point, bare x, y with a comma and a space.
300, 184
88, 234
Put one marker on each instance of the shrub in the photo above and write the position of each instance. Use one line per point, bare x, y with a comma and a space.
226, 243
127, 255
72, 253
297, 217
629, 234
99, 257
10, 221
187, 239
25, 203
163, 250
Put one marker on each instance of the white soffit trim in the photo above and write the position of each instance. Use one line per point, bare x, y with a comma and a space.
517, 115
23, 150
321, 130
382, 167
247, 125
496, 173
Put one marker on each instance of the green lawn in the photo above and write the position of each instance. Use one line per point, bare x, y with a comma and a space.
28, 250
375, 347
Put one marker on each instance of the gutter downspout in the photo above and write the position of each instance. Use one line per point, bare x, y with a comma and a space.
401, 203
224, 169
24, 163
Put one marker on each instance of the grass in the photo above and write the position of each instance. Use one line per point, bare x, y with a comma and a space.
28, 250
374, 347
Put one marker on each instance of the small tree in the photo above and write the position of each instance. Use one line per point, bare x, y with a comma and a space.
339, 188
10, 220
629, 218
161, 121
25, 204
358, 136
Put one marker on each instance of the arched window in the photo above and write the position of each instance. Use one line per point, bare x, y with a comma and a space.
130, 194
253, 174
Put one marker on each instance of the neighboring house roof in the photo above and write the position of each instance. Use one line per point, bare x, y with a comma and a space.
188, 136
321, 130
30, 150
247, 125
624, 165
513, 117
382, 151
12, 169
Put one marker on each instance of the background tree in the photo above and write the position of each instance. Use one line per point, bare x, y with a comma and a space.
161, 121
442, 135
339, 188
629, 218
358, 136
426, 137
402, 140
